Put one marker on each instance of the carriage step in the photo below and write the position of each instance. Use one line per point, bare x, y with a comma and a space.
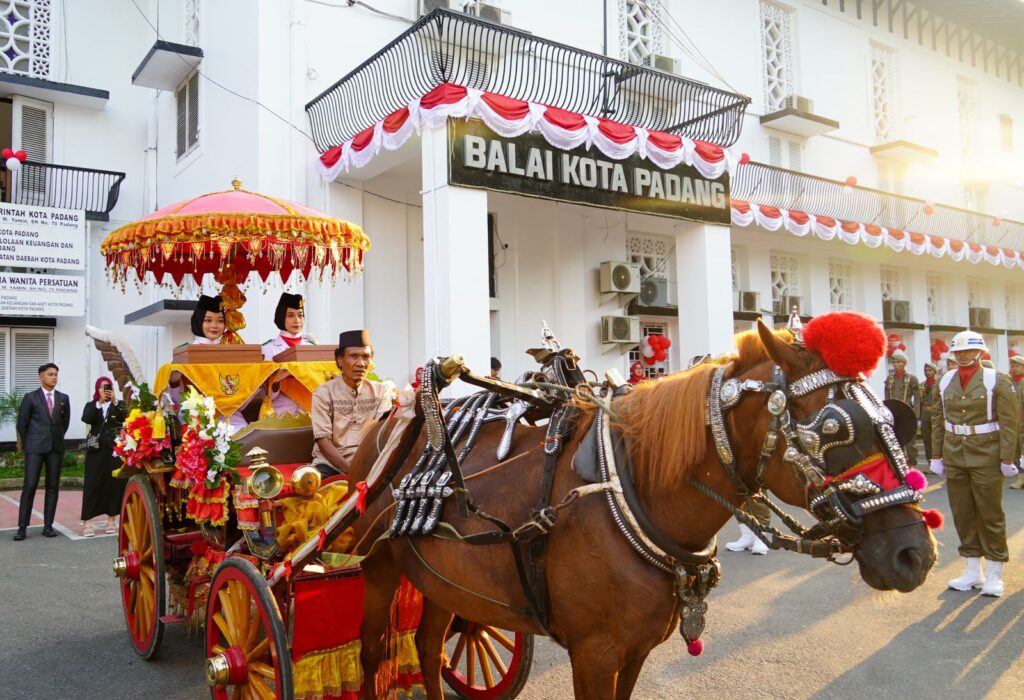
172, 619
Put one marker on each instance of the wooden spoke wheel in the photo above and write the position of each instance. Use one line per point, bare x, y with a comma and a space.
246, 647
486, 663
140, 567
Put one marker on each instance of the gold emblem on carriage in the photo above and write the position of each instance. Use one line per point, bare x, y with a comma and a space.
228, 383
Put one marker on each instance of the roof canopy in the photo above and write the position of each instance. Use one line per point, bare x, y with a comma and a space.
451, 47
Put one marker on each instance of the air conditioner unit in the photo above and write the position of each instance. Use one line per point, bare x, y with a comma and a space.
428, 6
487, 11
620, 330
980, 317
620, 277
784, 306
799, 103
653, 292
896, 311
746, 301
666, 64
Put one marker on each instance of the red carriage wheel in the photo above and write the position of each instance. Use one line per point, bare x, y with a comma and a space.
246, 646
486, 663
140, 566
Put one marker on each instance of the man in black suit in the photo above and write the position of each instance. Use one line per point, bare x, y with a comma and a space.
43, 419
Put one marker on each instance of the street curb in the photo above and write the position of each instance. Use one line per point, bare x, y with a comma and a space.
16, 483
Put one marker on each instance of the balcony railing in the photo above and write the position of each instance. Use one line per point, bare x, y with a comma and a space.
788, 189
62, 187
451, 47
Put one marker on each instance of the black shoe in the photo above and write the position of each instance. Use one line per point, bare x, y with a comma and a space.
49, 532
20, 535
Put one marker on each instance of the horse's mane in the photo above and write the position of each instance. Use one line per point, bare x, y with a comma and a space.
665, 420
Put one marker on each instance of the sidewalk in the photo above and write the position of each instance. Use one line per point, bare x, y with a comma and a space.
67, 521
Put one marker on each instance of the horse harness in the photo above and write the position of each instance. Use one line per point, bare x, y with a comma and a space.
841, 435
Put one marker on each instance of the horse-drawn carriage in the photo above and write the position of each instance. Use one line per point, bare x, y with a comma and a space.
202, 556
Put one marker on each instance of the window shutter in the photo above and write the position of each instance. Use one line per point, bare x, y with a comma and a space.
32, 348
796, 155
35, 140
193, 110
181, 105
775, 151
5, 360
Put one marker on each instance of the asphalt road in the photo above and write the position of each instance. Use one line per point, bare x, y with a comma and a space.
780, 626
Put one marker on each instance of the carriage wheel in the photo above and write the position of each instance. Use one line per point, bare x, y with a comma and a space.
140, 567
246, 646
486, 663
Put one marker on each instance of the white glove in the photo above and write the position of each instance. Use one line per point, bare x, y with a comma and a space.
937, 466
1008, 469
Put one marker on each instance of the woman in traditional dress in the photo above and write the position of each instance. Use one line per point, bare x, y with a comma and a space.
290, 319
102, 492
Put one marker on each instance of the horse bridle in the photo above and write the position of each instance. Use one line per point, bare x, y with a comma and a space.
837, 504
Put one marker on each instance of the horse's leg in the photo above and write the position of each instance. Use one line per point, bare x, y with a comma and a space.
593, 669
628, 674
381, 577
429, 642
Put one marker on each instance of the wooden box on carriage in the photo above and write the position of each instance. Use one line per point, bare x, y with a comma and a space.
307, 353
196, 354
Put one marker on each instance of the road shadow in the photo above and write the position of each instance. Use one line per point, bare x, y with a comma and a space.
960, 650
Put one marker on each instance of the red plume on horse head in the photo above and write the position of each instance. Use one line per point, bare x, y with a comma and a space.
849, 343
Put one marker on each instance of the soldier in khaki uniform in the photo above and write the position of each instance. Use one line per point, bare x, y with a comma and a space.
974, 440
1017, 377
929, 396
903, 386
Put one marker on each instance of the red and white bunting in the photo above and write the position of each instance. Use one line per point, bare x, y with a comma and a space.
826, 228
509, 118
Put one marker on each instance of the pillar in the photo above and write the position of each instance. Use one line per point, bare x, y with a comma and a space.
456, 295
703, 270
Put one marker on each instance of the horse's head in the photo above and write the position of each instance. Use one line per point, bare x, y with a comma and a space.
841, 455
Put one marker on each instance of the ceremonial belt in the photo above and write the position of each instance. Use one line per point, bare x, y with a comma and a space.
980, 429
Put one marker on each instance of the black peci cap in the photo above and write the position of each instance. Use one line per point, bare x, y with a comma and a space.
352, 339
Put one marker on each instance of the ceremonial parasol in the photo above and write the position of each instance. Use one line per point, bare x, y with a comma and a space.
228, 235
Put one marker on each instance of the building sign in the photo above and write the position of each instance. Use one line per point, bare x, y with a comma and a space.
23, 294
529, 165
53, 239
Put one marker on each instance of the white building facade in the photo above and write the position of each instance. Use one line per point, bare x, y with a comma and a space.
925, 116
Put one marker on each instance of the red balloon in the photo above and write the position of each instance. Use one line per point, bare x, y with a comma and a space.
929, 209
649, 360
667, 344
660, 356
7, 153
744, 158
21, 155
997, 222
851, 181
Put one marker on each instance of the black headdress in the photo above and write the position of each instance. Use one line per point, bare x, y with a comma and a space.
287, 301
204, 304
352, 339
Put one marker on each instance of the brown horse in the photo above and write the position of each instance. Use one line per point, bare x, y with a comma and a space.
606, 604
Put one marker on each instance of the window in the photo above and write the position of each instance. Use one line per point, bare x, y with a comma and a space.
192, 22
22, 351
25, 33
187, 105
840, 284
1006, 132
785, 153
976, 296
1012, 319
965, 99
785, 282
936, 313
883, 92
892, 284
640, 30
777, 55
658, 369
651, 253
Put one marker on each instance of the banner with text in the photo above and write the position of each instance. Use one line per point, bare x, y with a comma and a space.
41, 295
529, 165
53, 239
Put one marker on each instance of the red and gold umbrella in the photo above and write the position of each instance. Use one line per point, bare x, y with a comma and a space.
229, 235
